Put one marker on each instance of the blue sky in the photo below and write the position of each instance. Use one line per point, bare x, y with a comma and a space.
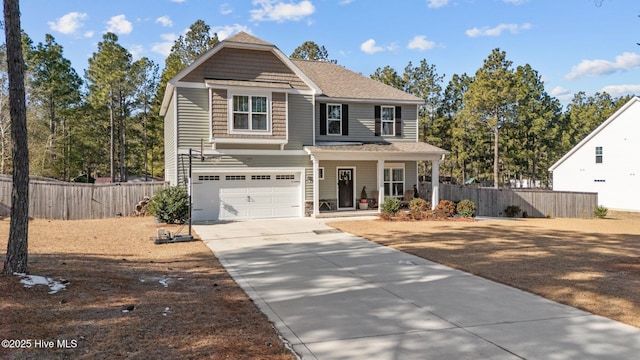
576, 45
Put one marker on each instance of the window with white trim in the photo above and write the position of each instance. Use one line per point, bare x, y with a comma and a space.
320, 173
334, 119
598, 154
388, 118
250, 113
394, 181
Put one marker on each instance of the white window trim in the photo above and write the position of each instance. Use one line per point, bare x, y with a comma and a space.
601, 155
321, 173
249, 131
328, 133
392, 166
393, 120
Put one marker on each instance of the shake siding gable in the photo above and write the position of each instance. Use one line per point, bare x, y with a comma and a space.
220, 117
193, 117
247, 65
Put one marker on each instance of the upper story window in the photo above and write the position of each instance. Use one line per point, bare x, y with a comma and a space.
598, 154
388, 120
250, 113
334, 119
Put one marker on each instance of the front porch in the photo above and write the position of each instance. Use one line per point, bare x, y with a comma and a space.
342, 172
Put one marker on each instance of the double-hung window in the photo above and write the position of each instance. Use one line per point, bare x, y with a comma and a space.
334, 119
394, 181
250, 113
598, 154
388, 120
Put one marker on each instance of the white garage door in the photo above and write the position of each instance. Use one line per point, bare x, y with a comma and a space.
246, 196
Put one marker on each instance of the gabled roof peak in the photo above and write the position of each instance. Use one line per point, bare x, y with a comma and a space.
244, 38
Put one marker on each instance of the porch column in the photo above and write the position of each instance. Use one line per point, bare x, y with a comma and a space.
380, 184
435, 183
316, 191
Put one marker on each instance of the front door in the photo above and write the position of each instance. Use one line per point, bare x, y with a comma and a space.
345, 188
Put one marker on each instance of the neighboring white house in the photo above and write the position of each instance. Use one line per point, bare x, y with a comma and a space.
607, 161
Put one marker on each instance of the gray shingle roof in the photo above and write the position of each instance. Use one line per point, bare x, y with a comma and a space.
339, 82
243, 37
398, 147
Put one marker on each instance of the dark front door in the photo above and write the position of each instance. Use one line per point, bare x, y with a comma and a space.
345, 188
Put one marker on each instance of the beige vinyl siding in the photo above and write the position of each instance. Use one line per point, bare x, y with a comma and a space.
220, 117
170, 166
248, 65
300, 121
193, 117
366, 175
362, 124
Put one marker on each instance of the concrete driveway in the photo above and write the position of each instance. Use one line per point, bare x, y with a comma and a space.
333, 295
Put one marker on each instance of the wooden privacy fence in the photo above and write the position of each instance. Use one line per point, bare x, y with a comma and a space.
75, 201
537, 203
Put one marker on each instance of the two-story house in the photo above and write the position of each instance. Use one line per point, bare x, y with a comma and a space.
271, 136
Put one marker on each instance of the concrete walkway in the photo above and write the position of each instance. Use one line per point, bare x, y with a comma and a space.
333, 295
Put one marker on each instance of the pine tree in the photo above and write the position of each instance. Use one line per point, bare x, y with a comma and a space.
491, 99
309, 50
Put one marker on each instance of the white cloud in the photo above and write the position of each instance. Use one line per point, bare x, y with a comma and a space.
136, 51
370, 47
622, 90
624, 62
497, 31
69, 23
119, 25
346, 2
164, 47
165, 21
419, 42
88, 34
560, 91
434, 4
272, 10
515, 2
178, 1
226, 9
228, 30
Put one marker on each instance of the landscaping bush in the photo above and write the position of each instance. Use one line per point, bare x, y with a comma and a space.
444, 209
466, 208
417, 207
391, 206
512, 211
600, 211
170, 205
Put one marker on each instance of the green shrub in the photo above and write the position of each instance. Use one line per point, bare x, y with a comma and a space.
170, 205
466, 208
391, 206
445, 209
600, 211
512, 211
417, 207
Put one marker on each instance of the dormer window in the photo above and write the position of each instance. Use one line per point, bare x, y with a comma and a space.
250, 113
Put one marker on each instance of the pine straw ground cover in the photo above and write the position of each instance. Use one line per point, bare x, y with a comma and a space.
111, 265
592, 264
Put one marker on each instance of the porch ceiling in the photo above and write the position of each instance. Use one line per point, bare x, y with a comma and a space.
411, 151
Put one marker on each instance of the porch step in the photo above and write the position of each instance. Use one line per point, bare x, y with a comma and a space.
347, 213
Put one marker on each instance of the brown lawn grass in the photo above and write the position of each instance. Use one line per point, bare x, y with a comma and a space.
111, 264
592, 264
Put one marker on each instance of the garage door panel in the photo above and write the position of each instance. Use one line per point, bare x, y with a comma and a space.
259, 195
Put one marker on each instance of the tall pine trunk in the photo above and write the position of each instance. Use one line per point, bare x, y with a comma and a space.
17, 248
496, 170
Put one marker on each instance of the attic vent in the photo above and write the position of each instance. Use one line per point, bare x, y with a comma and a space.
599, 180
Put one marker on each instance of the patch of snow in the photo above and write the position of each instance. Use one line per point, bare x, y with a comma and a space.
33, 280
165, 282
